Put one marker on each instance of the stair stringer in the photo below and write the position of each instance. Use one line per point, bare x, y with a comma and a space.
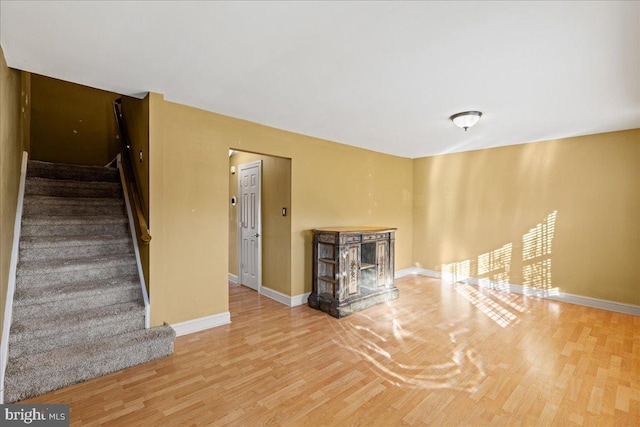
136, 249
13, 265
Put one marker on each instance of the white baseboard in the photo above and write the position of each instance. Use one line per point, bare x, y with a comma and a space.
618, 307
406, 272
554, 294
289, 301
301, 299
202, 323
412, 271
233, 278
13, 266
275, 295
416, 271
429, 273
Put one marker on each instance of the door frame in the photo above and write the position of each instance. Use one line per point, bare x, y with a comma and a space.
257, 163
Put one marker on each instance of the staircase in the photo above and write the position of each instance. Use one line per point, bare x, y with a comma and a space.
78, 309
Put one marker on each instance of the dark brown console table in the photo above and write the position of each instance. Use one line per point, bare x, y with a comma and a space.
353, 268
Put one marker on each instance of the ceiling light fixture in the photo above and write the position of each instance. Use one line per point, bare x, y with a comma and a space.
466, 119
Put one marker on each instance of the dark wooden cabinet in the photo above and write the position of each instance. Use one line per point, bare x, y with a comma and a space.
353, 268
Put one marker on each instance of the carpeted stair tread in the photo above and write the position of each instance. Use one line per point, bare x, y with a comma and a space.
37, 296
80, 246
31, 303
74, 220
26, 268
66, 357
92, 185
69, 188
35, 374
83, 201
64, 171
31, 296
53, 205
77, 323
50, 325
40, 225
38, 242
48, 273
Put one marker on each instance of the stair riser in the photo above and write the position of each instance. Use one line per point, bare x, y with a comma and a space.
42, 280
23, 344
77, 304
56, 171
59, 191
68, 252
110, 361
32, 230
72, 209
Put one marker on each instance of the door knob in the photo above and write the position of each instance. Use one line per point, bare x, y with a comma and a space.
256, 235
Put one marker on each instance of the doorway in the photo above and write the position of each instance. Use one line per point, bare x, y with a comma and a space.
250, 225
274, 240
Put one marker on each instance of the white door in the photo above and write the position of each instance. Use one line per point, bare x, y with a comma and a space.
249, 224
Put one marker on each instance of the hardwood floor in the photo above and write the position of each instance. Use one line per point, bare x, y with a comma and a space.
443, 355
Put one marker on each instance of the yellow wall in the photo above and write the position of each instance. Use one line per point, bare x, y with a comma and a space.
136, 114
188, 187
26, 111
276, 229
332, 185
71, 123
10, 163
508, 213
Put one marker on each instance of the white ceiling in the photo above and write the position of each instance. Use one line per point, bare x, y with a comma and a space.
380, 75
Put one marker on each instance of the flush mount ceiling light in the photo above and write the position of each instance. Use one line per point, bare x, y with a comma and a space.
466, 119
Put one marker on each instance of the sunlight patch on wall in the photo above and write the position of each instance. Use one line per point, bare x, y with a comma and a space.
494, 266
456, 271
491, 272
536, 258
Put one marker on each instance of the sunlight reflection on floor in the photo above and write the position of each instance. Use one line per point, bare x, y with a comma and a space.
496, 312
512, 300
385, 351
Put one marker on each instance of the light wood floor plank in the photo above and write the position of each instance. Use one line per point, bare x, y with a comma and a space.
442, 354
